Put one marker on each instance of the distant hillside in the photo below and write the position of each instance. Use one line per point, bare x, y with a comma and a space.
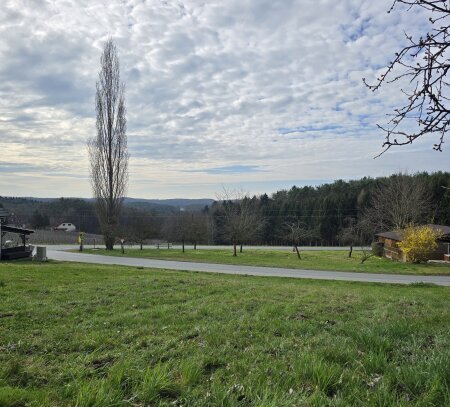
49, 212
138, 203
191, 204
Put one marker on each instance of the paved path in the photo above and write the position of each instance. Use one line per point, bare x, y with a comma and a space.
55, 254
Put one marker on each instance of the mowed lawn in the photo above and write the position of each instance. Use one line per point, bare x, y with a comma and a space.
83, 335
313, 260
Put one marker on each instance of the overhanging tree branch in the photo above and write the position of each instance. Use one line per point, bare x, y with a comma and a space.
425, 62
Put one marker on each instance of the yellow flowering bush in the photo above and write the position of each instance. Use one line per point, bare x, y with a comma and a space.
419, 242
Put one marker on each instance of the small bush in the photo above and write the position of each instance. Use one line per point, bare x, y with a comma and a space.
419, 242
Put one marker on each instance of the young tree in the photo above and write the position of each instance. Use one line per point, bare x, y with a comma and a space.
357, 232
183, 227
349, 235
140, 228
253, 222
177, 228
108, 151
419, 242
297, 232
240, 221
424, 62
198, 228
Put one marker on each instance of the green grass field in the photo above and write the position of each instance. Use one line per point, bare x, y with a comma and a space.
313, 260
83, 335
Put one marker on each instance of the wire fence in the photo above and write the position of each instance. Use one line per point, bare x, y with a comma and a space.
61, 237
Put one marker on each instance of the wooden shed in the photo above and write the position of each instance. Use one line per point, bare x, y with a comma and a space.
389, 240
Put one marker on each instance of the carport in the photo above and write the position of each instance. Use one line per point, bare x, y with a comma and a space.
18, 251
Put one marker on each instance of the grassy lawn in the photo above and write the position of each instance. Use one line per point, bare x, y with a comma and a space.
84, 335
313, 260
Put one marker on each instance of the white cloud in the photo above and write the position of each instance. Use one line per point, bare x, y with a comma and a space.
274, 85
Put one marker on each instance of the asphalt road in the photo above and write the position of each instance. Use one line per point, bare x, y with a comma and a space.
205, 247
56, 253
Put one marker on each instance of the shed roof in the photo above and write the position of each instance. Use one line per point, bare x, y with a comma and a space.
14, 229
397, 234
394, 235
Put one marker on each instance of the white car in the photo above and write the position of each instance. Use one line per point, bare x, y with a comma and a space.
67, 227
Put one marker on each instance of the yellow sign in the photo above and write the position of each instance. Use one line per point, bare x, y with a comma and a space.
80, 238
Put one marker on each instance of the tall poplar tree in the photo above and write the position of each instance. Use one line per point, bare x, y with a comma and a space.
108, 151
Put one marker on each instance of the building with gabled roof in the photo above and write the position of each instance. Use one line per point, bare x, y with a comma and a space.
389, 241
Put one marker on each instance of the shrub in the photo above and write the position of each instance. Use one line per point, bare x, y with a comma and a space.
419, 242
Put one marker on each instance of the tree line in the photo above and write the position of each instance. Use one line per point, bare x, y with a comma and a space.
323, 215
339, 212
342, 212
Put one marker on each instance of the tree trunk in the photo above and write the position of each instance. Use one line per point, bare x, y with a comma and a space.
240, 249
141, 245
182, 243
195, 245
350, 252
365, 256
234, 250
109, 242
298, 252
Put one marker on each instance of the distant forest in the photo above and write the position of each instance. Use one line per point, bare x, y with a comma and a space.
324, 209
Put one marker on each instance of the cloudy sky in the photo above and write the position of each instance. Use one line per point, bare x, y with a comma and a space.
251, 94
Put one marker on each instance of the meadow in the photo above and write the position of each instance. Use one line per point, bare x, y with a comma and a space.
85, 335
337, 260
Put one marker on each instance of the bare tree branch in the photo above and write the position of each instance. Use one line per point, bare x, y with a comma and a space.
425, 62
399, 202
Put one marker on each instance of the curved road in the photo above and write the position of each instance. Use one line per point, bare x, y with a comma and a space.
57, 253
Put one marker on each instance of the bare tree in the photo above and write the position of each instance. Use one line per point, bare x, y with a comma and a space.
140, 228
198, 228
252, 223
349, 234
183, 225
108, 151
177, 228
241, 222
357, 233
297, 232
399, 202
424, 62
